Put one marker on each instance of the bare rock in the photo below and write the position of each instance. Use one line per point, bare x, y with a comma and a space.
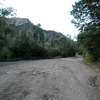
18, 21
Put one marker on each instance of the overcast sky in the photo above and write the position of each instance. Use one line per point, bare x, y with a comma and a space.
51, 14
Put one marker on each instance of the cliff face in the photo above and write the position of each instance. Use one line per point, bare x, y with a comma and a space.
18, 21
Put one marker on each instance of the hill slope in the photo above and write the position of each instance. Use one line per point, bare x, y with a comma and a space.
24, 24
21, 39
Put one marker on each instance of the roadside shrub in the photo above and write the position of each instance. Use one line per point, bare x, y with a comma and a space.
5, 54
52, 52
38, 51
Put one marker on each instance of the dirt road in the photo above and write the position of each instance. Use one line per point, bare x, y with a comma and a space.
54, 79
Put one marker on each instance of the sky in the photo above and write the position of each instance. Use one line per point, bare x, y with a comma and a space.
51, 14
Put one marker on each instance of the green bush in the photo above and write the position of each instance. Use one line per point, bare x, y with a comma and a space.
5, 54
53, 52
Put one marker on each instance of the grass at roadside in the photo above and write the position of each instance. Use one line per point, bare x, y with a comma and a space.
95, 65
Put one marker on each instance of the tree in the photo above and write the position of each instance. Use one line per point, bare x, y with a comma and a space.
4, 30
63, 46
4, 14
38, 25
86, 15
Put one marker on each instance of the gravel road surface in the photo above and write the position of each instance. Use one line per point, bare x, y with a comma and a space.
53, 79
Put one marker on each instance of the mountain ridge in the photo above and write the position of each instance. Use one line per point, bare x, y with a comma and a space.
17, 21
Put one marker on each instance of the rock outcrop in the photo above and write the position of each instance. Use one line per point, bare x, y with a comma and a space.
18, 21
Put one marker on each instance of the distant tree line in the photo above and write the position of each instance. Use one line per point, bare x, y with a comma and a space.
31, 41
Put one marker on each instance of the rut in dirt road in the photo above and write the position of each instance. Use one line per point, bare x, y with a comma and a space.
54, 79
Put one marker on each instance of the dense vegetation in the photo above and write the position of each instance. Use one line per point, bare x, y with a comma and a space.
28, 41
86, 15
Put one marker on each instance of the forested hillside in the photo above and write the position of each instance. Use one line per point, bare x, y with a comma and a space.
21, 39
